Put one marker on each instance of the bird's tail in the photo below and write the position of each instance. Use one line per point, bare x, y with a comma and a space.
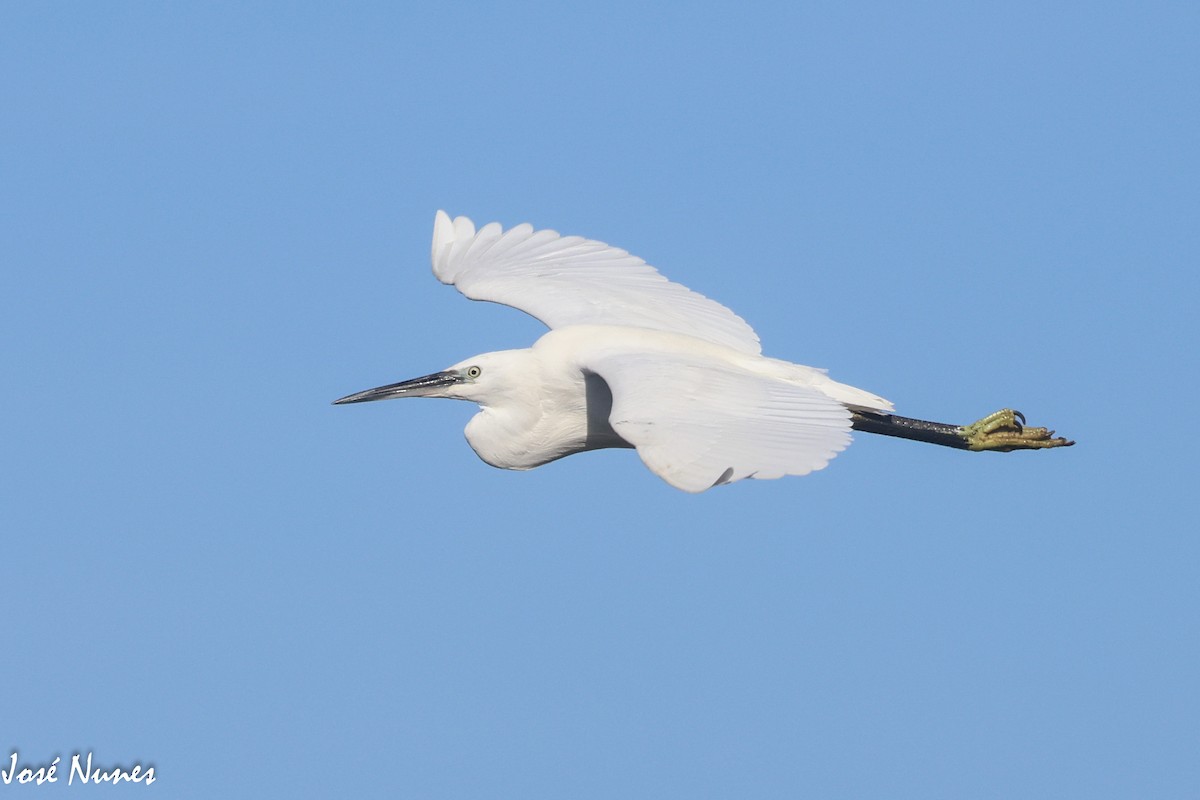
854, 397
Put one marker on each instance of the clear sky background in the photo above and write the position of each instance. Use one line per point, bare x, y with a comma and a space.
216, 219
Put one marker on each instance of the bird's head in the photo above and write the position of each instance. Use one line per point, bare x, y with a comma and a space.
483, 379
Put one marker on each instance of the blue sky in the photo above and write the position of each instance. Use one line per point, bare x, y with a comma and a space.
216, 219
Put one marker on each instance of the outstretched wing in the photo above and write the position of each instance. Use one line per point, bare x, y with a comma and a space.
697, 423
569, 280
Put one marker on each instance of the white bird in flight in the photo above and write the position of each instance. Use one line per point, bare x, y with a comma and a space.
635, 360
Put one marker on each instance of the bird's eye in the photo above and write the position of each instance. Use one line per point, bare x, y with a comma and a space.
473, 372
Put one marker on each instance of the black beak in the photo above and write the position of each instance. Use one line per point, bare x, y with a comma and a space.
417, 387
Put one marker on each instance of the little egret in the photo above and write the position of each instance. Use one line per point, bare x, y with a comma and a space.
635, 360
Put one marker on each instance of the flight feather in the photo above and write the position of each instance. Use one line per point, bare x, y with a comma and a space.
569, 280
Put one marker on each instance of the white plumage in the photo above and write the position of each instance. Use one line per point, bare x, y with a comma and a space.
569, 280
631, 360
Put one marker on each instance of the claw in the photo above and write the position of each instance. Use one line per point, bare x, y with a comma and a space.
1003, 432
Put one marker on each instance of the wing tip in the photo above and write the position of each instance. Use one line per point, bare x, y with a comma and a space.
447, 231
443, 235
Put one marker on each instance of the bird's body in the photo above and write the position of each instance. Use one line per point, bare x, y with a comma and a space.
562, 405
633, 360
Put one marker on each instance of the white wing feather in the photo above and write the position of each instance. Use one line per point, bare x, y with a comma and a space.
697, 423
569, 280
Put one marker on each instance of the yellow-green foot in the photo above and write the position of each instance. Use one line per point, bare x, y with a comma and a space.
1005, 430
